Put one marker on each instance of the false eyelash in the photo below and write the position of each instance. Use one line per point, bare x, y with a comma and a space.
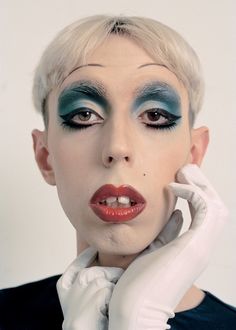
67, 125
162, 127
70, 125
73, 127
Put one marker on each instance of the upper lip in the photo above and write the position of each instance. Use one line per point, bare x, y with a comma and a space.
109, 190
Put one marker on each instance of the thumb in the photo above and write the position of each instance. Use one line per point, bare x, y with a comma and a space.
171, 229
168, 233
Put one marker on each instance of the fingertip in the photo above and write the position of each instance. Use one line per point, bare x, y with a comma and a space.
178, 216
178, 221
173, 186
188, 171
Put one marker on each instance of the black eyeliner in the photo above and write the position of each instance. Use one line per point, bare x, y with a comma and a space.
78, 92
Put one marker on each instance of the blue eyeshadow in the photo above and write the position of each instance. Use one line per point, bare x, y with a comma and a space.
76, 95
160, 94
164, 95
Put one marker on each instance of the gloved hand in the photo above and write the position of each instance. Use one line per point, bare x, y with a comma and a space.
84, 293
152, 286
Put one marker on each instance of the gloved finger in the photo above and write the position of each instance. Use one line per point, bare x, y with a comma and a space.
93, 289
88, 275
200, 204
192, 174
103, 295
170, 231
112, 274
172, 228
86, 294
67, 279
82, 261
195, 196
96, 296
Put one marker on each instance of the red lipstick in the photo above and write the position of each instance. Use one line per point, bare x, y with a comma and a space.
117, 214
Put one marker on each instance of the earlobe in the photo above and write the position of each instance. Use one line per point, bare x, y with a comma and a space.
200, 140
42, 156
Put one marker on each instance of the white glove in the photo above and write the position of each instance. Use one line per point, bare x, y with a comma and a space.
84, 293
152, 286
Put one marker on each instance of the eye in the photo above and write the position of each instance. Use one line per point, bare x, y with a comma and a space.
81, 118
159, 118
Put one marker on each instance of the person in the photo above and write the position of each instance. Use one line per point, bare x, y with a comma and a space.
119, 97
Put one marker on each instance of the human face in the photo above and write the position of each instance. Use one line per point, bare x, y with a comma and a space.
119, 148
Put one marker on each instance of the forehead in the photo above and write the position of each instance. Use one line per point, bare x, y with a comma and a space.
120, 51
120, 65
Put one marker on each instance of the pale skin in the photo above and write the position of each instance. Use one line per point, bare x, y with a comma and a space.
119, 149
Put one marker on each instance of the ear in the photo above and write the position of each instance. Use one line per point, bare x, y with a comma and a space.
42, 156
200, 140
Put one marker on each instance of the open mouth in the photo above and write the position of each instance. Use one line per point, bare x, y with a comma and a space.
121, 201
117, 205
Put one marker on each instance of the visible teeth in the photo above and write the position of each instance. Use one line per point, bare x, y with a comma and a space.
113, 201
123, 199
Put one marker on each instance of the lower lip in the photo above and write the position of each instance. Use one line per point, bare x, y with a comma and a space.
117, 214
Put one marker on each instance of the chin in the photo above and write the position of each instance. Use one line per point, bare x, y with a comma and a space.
127, 238
120, 248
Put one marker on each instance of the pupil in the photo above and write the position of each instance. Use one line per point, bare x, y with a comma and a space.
84, 115
153, 115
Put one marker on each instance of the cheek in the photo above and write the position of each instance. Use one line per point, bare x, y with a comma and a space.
168, 157
163, 164
71, 164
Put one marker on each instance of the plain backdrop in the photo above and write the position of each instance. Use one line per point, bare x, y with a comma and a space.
36, 238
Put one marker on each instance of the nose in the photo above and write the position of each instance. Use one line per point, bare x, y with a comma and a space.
117, 147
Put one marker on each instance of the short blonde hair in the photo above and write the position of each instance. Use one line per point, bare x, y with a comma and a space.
72, 45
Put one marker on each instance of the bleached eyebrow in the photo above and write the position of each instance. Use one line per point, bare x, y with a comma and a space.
147, 64
85, 65
103, 66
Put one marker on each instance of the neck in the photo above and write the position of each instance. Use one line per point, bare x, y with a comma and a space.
121, 261
192, 298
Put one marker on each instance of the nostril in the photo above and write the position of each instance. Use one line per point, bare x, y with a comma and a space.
110, 159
